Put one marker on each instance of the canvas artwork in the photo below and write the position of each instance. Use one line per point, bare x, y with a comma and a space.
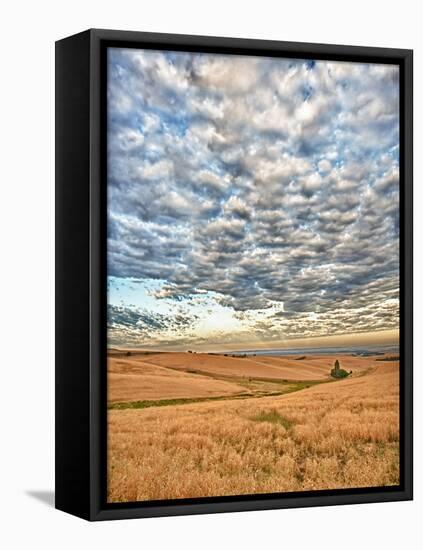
252, 275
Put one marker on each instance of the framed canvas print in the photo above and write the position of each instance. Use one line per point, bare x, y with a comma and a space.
233, 274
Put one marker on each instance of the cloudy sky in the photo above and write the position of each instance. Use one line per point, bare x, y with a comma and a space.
251, 200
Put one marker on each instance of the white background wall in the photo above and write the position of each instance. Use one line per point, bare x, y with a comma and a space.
28, 32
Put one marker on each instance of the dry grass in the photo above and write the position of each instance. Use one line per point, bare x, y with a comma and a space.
132, 379
264, 367
337, 435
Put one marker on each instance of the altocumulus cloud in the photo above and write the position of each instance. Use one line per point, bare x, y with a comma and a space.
270, 186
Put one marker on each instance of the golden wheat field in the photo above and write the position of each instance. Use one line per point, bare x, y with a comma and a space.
194, 425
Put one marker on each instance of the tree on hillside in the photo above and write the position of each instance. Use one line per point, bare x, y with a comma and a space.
337, 372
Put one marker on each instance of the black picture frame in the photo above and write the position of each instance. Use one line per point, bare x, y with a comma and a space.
81, 163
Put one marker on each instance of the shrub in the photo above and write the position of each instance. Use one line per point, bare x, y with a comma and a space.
339, 373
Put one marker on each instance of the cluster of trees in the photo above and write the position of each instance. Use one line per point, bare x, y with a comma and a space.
389, 358
337, 372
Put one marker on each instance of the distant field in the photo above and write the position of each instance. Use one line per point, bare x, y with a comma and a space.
263, 367
133, 379
248, 425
